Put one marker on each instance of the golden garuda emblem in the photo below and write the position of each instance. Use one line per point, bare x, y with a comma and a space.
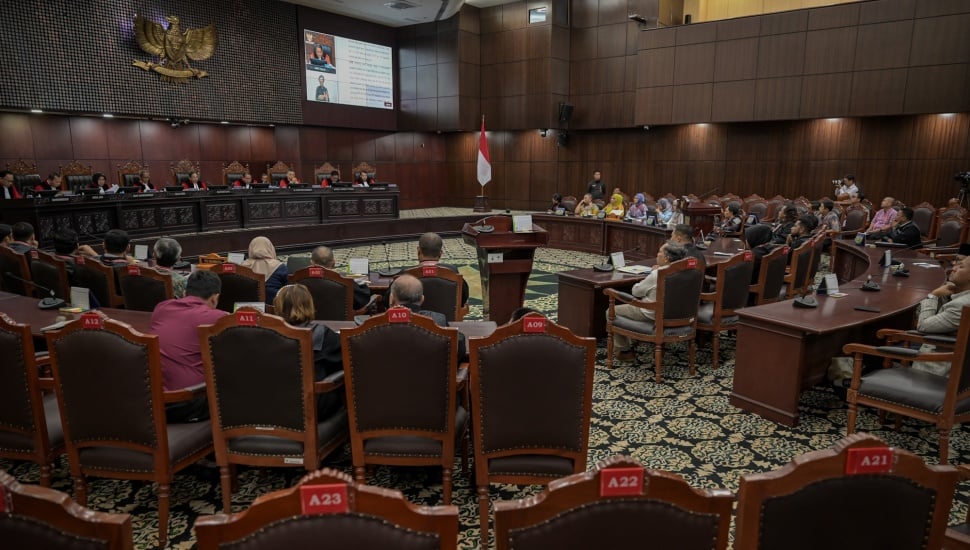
174, 48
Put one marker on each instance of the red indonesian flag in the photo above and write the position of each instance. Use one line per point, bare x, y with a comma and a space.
484, 163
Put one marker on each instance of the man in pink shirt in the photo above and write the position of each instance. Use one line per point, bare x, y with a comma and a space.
176, 323
883, 220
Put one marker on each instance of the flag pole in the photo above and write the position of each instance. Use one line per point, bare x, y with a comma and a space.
484, 170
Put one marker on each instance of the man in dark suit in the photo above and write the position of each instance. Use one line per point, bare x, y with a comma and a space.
323, 257
23, 238
684, 234
407, 291
904, 231
429, 254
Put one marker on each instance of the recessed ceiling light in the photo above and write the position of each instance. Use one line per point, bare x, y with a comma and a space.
108, 115
833, 120
224, 122
37, 111
947, 115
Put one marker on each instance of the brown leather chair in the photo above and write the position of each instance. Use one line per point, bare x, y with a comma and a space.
942, 400
757, 206
256, 359
718, 309
85, 354
30, 424
181, 170
365, 518
401, 380
856, 220
50, 272
25, 176
233, 172
771, 277
277, 172
776, 205
333, 294
569, 204
143, 288
14, 263
662, 511
813, 503
675, 308
100, 279
924, 217
532, 396
128, 173
76, 176
442, 290
798, 279
322, 172
950, 232
39, 517
239, 284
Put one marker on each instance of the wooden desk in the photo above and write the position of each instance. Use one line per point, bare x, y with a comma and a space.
783, 350
582, 304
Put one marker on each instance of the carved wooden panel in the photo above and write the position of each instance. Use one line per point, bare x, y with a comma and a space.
138, 218
264, 210
343, 207
222, 212
376, 207
178, 215
93, 222
302, 209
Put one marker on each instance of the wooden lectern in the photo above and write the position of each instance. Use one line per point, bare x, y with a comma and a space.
503, 280
700, 215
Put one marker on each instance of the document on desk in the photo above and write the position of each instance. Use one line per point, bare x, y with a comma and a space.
723, 254
635, 269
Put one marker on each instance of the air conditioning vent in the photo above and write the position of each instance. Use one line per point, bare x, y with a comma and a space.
400, 5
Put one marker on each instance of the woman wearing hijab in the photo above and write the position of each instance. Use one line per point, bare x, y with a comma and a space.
262, 260
665, 212
759, 242
615, 209
638, 210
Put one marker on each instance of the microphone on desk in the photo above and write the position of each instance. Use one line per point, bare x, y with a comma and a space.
388, 271
871, 286
50, 302
806, 301
607, 265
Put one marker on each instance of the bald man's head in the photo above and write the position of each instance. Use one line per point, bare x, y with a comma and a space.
322, 256
406, 290
429, 246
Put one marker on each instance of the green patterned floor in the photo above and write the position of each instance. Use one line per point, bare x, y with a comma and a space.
684, 425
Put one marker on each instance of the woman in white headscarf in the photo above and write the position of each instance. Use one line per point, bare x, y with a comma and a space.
262, 260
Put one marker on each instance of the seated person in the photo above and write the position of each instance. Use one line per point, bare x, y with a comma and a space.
760, 244
363, 179
100, 182
407, 291
176, 323
23, 238
556, 202
334, 179
295, 305
430, 248
884, 218
290, 178
245, 182
262, 260
665, 211
645, 291
53, 182
586, 207
732, 219
638, 210
828, 218
813, 209
145, 182
615, 210
847, 189
265, 178
167, 253
67, 248
903, 230
678, 216
7, 188
323, 257
6, 234
522, 312
193, 183
116, 244
940, 312
683, 235
800, 232
779, 233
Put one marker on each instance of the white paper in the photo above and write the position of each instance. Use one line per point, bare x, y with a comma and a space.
635, 269
358, 266
141, 251
258, 306
236, 258
831, 283
522, 223
79, 298
617, 258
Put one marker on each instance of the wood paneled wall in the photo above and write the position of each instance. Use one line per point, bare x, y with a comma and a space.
415, 161
912, 158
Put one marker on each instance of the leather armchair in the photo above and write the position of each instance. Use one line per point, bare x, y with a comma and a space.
239, 284
333, 294
374, 519
771, 277
100, 279
442, 290
49, 272
813, 503
143, 288
107, 371
44, 518
16, 264
30, 424
718, 309
665, 512
675, 308
263, 397
532, 397
941, 400
401, 382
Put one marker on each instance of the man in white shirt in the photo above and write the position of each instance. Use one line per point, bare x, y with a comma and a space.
939, 312
645, 291
848, 188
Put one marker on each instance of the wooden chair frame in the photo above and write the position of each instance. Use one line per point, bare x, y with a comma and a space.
279, 167
365, 167
43, 454
114, 299
660, 322
130, 167
234, 167
9, 257
220, 269
63, 287
444, 273
811, 467
757, 290
313, 451
74, 168
322, 172
164, 470
57, 511
23, 171
717, 297
329, 274
583, 489
800, 256
183, 166
215, 531
147, 273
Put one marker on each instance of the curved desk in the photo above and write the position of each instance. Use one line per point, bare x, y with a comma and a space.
783, 350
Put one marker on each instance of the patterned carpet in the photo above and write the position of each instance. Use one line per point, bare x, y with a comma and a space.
684, 425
